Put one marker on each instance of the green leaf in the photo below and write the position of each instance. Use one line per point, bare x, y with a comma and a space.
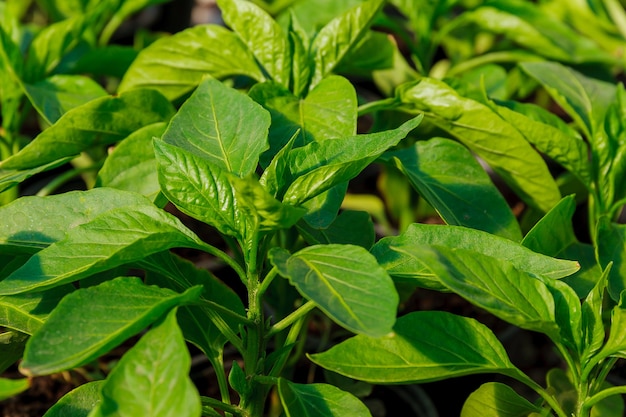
97, 319
345, 282
335, 40
562, 388
33, 223
323, 208
111, 60
223, 126
50, 46
301, 65
592, 323
318, 400
11, 177
350, 227
616, 342
494, 285
497, 400
169, 271
78, 402
328, 111
448, 176
201, 190
175, 65
553, 235
56, 95
100, 122
11, 348
570, 151
152, 378
319, 166
455, 346
11, 387
396, 256
611, 247
314, 14
114, 238
132, 165
262, 35
26, 313
585, 99
486, 134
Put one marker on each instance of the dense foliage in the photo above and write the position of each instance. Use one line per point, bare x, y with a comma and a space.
239, 142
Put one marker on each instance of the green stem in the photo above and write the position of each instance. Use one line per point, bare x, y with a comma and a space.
225, 329
291, 339
300, 313
266, 282
385, 104
220, 372
493, 57
547, 397
212, 250
225, 311
594, 399
213, 403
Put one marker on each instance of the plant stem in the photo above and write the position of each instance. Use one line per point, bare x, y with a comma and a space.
300, 313
547, 397
266, 282
227, 259
292, 336
213, 403
594, 399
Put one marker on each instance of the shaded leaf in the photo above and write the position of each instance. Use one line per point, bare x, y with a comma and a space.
318, 400
611, 248
77, 403
455, 346
497, 400
175, 65
345, 282
448, 176
97, 319
350, 227
11, 348
11, 177
11, 387
152, 378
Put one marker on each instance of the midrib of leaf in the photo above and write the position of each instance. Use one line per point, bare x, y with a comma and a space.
219, 135
334, 292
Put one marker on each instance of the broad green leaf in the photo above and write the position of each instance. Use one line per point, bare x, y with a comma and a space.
612, 406
301, 65
567, 315
324, 208
201, 190
276, 175
315, 14
494, 399
78, 402
11, 387
335, 40
99, 122
494, 285
269, 213
97, 319
111, 60
176, 65
611, 247
345, 282
328, 111
223, 126
455, 346
374, 52
50, 45
485, 133
571, 152
616, 341
318, 166
11, 177
533, 29
448, 176
585, 99
56, 95
11, 69
197, 322
26, 313
132, 164
262, 35
152, 378
396, 256
114, 238
318, 400
562, 388
553, 235
350, 227
32, 223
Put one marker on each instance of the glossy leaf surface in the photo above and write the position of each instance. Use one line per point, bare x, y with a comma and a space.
485, 133
345, 282
221, 125
102, 121
177, 64
97, 319
448, 176
455, 346
152, 378
114, 238
395, 254
318, 400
